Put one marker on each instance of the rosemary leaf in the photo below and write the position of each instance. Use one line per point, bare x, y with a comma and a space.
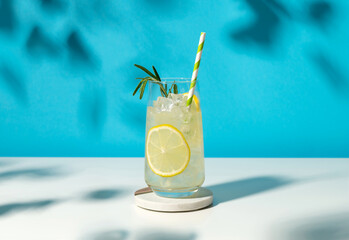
157, 74
142, 90
162, 89
175, 88
138, 86
145, 70
154, 78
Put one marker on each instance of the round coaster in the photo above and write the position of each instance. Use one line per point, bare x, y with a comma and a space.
202, 198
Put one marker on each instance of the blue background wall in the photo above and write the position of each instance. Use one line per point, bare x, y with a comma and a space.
274, 78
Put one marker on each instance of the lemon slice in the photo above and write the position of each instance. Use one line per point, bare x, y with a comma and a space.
167, 151
196, 102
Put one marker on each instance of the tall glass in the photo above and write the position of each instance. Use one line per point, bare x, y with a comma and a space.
171, 112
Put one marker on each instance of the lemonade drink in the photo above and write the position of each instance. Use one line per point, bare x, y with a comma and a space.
174, 165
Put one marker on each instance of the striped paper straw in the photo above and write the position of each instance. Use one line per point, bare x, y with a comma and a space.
196, 69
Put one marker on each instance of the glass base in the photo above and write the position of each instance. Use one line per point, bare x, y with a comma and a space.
175, 193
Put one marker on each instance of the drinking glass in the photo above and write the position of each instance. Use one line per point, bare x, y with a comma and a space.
174, 139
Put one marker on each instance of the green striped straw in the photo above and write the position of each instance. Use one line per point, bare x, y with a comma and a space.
196, 68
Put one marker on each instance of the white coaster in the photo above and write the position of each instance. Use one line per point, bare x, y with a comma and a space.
202, 198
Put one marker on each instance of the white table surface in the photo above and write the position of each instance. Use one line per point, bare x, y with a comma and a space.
92, 199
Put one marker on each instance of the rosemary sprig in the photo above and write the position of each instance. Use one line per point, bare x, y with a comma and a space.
155, 77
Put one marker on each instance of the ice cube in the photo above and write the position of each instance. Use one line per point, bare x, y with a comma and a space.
178, 99
172, 102
163, 104
166, 104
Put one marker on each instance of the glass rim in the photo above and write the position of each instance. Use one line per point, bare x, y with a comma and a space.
173, 80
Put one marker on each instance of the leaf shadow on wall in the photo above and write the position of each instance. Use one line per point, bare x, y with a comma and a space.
8, 20
80, 55
92, 110
331, 71
320, 13
14, 82
54, 6
40, 45
263, 30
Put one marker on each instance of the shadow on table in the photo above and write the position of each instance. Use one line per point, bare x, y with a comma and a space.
108, 235
333, 226
30, 173
103, 194
165, 235
144, 234
21, 206
228, 191
5, 163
